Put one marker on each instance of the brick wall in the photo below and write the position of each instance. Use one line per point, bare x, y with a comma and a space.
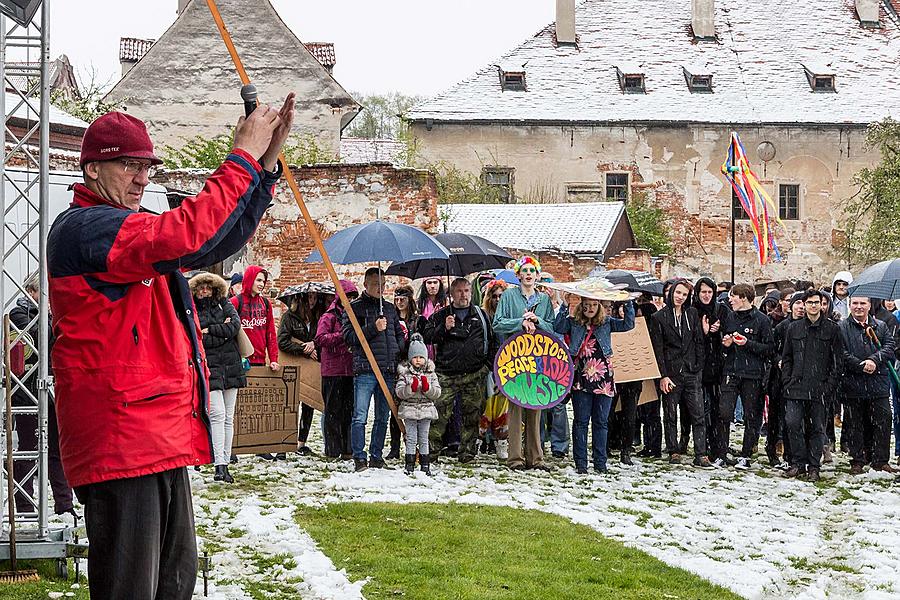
337, 197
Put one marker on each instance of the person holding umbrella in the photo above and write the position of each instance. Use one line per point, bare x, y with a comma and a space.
495, 419
384, 334
523, 308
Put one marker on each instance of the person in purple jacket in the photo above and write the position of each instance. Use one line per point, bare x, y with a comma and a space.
337, 376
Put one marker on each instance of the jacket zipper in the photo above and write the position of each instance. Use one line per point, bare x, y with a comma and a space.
134, 332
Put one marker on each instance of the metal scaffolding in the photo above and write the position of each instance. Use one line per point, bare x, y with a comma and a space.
25, 97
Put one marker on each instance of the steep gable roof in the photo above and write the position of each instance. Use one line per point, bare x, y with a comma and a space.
755, 64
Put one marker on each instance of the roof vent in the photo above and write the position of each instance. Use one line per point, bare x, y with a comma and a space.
512, 81
631, 79
698, 80
820, 77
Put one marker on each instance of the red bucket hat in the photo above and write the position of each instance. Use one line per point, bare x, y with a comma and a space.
115, 135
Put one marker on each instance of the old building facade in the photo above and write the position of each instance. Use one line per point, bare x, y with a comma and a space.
619, 99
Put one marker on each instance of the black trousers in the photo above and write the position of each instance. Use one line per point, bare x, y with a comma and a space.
751, 393
337, 394
629, 394
688, 390
306, 417
805, 428
26, 430
648, 417
867, 425
396, 434
775, 428
711, 397
684, 420
141, 532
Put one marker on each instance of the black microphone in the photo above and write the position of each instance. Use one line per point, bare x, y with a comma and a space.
249, 95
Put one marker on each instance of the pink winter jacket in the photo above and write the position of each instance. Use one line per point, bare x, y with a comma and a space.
334, 355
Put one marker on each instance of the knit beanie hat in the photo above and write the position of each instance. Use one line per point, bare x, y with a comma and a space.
417, 347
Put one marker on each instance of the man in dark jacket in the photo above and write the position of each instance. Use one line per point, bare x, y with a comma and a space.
865, 387
129, 368
748, 343
712, 317
464, 340
24, 318
810, 369
677, 336
381, 325
775, 427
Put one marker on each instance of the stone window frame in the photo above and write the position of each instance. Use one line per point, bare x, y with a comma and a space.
510, 172
606, 186
785, 185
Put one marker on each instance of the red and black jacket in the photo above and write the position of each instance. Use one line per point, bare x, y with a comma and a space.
131, 378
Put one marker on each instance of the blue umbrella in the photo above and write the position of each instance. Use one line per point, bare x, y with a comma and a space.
380, 241
507, 275
878, 281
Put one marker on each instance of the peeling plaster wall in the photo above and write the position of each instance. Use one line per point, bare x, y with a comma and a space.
337, 197
679, 167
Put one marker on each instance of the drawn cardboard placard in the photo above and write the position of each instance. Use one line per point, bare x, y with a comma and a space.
633, 358
649, 393
533, 370
265, 416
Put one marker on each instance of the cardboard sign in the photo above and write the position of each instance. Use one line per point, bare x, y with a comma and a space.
649, 393
533, 370
633, 358
265, 417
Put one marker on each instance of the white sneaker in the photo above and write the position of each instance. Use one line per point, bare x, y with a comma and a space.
743, 464
502, 449
719, 463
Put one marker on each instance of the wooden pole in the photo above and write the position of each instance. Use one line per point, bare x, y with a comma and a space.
311, 226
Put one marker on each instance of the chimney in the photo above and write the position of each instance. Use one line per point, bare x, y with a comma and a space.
182, 4
703, 19
868, 12
565, 21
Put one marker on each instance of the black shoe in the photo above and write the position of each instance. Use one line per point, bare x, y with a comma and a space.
601, 470
394, 454
626, 459
228, 477
378, 463
464, 458
425, 462
304, 451
360, 464
557, 454
812, 475
409, 464
280, 456
220, 473
793, 472
197, 468
543, 467
518, 467
266, 456
233, 459
644, 453
449, 451
581, 470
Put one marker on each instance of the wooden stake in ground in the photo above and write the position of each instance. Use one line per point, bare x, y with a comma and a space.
311, 226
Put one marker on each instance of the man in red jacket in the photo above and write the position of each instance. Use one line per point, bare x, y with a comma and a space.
131, 379
257, 318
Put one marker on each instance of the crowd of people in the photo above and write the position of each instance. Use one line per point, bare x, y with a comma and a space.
790, 366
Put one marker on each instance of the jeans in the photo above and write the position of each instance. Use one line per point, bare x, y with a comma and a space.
221, 420
593, 408
556, 421
364, 387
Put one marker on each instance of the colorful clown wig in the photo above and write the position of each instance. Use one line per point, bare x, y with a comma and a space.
527, 260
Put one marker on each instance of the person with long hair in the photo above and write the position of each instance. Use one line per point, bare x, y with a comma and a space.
296, 336
589, 327
408, 311
494, 422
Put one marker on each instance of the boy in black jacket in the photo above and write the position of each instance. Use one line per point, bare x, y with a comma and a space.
677, 336
748, 342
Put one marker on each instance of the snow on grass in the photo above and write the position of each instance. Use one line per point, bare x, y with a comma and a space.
755, 533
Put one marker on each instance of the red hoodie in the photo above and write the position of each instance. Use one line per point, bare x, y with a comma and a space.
257, 319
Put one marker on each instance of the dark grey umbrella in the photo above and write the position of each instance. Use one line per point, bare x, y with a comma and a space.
305, 288
880, 281
635, 281
468, 254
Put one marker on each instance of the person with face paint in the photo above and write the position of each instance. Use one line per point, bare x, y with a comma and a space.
677, 336
865, 387
810, 371
523, 308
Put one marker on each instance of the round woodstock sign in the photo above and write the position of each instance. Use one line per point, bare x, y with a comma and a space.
533, 370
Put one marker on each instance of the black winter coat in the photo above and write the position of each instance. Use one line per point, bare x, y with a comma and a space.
466, 348
678, 355
750, 361
858, 347
386, 345
220, 342
811, 360
292, 326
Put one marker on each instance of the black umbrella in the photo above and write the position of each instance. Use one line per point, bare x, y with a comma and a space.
305, 288
468, 254
878, 281
635, 281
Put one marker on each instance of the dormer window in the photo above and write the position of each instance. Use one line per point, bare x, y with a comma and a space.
631, 81
820, 77
512, 81
697, 81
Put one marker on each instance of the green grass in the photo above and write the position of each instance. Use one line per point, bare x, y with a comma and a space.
48, 583
465, 552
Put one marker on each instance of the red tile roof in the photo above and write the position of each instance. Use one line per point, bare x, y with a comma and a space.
323, 52
132, 49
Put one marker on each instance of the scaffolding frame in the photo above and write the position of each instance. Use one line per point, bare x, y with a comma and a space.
25, 97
